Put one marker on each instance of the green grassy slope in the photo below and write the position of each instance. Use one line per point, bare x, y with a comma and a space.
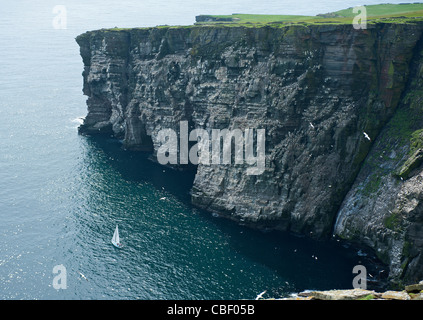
385, 10
396, 13
375, 13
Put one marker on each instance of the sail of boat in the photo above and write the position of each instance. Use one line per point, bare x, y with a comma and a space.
115, 238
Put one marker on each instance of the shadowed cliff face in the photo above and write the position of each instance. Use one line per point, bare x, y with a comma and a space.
315, 90
383, 208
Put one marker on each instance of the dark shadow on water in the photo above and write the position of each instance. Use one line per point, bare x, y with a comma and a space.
137, 166
304, 263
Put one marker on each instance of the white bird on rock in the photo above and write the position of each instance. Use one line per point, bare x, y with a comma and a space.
366, 136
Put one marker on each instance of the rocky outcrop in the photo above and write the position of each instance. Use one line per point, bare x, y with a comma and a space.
383, 209
324, 94
207, 18
411, 292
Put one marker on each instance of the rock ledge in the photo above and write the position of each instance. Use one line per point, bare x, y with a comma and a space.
411, 292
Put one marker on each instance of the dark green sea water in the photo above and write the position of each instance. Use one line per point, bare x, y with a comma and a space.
62, 194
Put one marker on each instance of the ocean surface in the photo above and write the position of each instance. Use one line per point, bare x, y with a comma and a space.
63, 194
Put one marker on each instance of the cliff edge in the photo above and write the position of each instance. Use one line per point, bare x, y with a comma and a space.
340, 108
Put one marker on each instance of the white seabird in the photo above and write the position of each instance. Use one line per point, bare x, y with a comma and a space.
260, 295
83, 276
366, 136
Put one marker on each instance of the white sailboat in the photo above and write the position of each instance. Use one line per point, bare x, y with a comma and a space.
115, 239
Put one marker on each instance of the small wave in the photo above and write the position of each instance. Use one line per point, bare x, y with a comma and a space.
79, 120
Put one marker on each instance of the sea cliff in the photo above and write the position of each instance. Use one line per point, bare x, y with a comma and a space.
341, 108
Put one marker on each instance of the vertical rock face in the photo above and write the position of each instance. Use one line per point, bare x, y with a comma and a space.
384, 209
315, 90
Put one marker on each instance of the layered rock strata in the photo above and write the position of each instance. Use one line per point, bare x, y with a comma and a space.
325, 95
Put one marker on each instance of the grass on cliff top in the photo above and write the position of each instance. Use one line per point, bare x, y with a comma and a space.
375, 13
385, 10
256, 18
384, 13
